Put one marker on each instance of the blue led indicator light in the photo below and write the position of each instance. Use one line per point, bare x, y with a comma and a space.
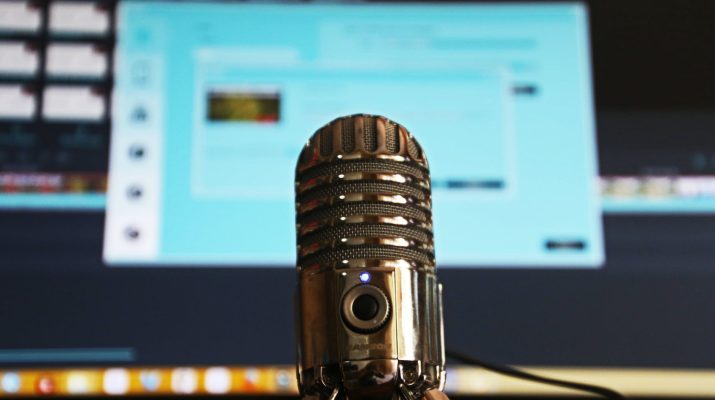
364, 277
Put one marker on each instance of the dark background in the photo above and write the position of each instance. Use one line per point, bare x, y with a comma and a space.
655, 92
653, 55
651, 305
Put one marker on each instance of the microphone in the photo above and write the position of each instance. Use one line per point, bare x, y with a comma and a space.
369, 306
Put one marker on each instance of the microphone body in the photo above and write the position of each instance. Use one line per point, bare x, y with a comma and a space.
369, 306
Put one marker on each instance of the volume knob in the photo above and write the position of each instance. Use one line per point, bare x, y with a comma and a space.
365, 308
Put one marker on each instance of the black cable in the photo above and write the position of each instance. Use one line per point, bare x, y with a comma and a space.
517, 373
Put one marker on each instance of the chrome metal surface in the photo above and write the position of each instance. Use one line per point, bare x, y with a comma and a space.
364, 225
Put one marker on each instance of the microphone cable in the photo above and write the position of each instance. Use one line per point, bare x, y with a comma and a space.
521, 374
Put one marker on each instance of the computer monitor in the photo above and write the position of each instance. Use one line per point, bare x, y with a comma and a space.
147, 154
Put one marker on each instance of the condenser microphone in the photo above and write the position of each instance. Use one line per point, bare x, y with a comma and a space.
369, 306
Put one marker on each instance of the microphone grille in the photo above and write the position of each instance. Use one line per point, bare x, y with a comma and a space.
363, 197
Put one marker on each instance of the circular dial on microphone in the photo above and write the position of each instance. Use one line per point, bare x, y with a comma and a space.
365, 308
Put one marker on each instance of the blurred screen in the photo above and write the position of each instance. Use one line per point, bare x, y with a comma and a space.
499, 95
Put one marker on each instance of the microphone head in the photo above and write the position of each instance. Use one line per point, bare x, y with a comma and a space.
363, 196
369, 304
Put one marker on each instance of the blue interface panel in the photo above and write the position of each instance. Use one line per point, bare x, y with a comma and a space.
213, 102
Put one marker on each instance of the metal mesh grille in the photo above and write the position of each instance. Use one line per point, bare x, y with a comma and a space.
370, 133
413, 149
376, 187
382, 166
372, 208
326, 141
375, 252
348, 135
392, 140
366, 230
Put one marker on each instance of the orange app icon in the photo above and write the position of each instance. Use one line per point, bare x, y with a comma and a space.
45, 384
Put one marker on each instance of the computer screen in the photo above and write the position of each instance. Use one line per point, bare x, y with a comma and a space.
501, 104
147, 161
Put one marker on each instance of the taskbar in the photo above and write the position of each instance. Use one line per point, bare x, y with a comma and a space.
281, 381
129, 381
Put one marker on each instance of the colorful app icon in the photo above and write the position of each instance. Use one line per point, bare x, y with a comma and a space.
217, 380
10, 382
251, 379
150, 380
78, 382
45, 385
116, 381
284, 379
184, 380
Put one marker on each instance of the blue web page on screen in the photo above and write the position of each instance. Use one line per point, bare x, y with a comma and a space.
213, 102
